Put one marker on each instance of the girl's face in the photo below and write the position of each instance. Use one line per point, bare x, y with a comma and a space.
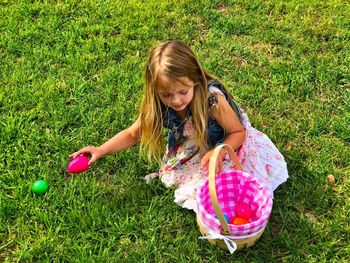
177, 94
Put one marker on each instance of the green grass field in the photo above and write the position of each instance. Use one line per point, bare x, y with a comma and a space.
71, 75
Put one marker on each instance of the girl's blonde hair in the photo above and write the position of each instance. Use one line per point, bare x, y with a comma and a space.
172, 59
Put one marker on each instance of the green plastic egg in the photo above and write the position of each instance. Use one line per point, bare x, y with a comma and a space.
40, 187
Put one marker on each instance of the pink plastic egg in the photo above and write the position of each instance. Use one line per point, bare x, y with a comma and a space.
78, 165
243, 210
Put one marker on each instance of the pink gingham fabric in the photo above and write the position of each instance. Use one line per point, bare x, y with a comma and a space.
233, 187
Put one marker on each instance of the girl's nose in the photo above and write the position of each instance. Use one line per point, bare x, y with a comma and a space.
176, 100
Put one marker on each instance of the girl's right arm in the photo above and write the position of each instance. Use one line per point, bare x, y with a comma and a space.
120, 141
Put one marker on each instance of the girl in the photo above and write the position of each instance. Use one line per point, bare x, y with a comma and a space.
199, 113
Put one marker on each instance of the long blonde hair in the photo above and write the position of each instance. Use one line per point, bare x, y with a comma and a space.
172, 59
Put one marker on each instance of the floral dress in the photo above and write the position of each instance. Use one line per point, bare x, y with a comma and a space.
181, 165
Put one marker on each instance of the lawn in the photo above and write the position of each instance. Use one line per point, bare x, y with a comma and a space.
71, 75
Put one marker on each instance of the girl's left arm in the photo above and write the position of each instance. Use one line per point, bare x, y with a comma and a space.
229, 121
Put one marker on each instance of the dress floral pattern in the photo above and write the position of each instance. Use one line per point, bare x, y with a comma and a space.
258, 155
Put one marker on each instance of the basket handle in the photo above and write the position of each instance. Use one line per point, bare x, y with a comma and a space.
212, 185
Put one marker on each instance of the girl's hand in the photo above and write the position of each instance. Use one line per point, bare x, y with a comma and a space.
205, 160
94, 152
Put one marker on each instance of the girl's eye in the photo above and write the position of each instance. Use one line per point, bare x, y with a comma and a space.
166, 95
183, 92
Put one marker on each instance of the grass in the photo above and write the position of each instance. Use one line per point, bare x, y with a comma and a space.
72, 74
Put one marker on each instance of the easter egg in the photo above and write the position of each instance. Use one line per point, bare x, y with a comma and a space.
227, 219
40, 187
78, 165
330, 179
239, 221
243, 210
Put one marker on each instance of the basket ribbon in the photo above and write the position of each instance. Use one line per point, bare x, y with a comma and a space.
229, 241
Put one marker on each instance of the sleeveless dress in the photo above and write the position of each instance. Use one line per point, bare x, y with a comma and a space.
181, 163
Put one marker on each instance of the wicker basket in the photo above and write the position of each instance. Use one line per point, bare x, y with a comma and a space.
231, 233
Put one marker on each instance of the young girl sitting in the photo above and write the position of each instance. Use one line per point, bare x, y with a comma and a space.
200, 113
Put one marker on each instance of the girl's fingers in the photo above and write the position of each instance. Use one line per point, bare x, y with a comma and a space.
76, 154
80, 152
72, 156
204, 162
92, 160
219, 166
